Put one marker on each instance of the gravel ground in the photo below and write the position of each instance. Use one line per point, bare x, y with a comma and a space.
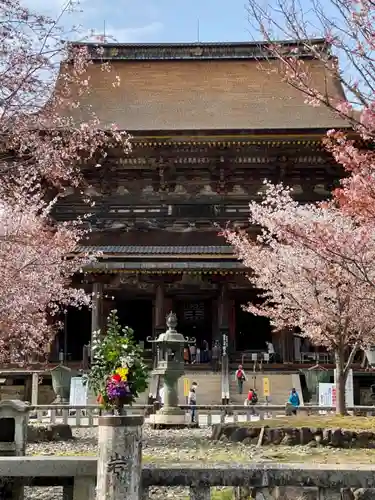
190, 446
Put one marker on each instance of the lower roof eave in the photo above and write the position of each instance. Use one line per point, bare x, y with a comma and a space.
149, 267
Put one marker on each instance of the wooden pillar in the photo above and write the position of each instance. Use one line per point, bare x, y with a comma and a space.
215, 321
159, 311
96, 311
232, 326
287, 346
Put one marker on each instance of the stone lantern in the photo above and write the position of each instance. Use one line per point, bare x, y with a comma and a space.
61, 377
170, 365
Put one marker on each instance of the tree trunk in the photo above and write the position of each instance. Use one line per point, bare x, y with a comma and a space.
340, 382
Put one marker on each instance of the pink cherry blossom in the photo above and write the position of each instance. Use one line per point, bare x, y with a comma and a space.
314, 267
347, 83
42, 153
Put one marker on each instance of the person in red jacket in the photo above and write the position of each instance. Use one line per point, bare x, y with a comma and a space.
252, 397
240, 377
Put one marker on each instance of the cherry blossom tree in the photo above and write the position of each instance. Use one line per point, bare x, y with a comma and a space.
305, 285
42, 151
339, 35
35, 277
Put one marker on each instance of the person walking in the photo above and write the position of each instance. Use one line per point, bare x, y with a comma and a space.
192, 402
240, 377
294, 401
193, 353
198, 355
205, 354
186, 355
215, 357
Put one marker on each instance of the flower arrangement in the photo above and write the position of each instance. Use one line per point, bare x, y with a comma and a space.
118, 373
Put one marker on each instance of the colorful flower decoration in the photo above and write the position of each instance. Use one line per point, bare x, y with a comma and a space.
118, 373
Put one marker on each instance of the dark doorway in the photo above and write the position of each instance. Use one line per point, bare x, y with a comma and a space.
195, 319
252, 332
136, 314
77, 332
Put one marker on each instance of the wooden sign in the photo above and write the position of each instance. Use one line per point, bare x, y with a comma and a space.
186, 387
266, 387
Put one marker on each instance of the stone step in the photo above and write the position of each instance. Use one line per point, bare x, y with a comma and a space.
209, 387
280, 385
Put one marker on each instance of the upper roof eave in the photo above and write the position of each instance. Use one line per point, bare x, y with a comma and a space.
315, 41
313, 133
100, 51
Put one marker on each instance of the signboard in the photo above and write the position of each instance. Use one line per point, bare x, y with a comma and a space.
186, 387
327, 393
78, 392
349, 388
194, 311
254, 357
266, 387
334, 397
225, 344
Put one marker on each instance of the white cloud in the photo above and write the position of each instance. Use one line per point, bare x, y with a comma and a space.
139, 34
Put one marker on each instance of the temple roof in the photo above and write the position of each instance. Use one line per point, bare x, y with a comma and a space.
152, 250
201, 87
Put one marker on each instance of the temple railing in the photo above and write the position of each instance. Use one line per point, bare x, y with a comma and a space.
87, 416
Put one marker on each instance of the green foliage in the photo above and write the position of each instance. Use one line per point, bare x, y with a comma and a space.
114, 349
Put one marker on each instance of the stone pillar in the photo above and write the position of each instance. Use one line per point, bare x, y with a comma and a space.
119, 458
34, 388
96, 311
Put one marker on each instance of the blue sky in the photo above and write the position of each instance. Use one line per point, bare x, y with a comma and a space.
160, 20
170, 21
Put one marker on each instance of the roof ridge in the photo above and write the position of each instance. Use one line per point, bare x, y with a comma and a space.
195, 50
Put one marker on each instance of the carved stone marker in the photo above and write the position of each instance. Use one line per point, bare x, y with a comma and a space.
119, 458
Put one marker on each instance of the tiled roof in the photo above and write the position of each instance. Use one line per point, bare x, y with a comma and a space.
158, 250
196, 50
204, 95
165, 266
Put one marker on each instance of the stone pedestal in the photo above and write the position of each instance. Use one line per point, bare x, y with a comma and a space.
14, 416
119, 458
170, 415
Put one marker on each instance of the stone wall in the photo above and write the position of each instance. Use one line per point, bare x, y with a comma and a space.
270, 481
293, 436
